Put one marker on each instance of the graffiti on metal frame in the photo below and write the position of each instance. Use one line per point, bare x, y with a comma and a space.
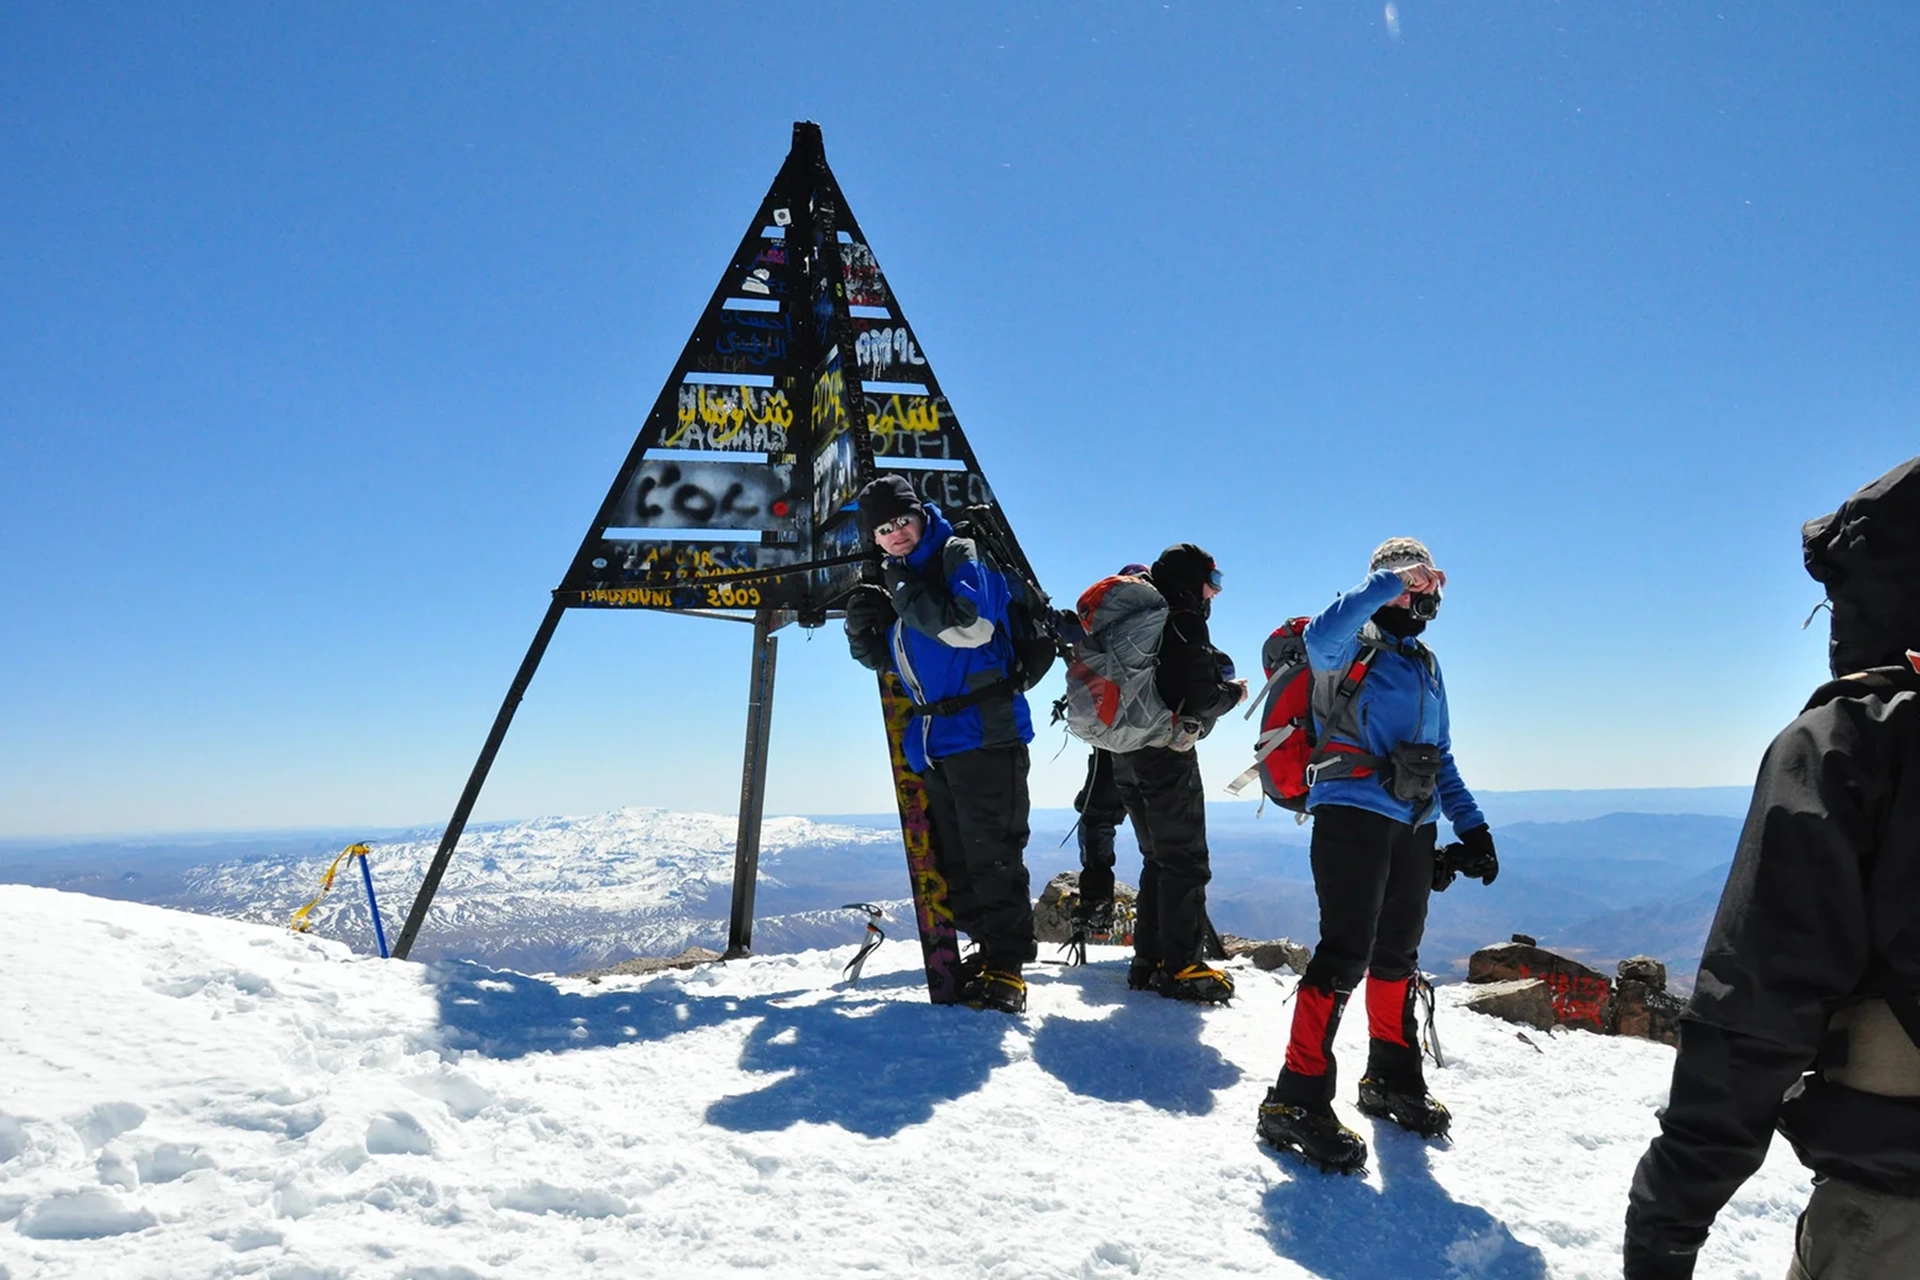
717, 595
766, 274
896, 415
698, 559
887, 353
951, 489
866, 287
746, 419
836, 476
751, 348
667, 493
837, 534
829, 411
916, 445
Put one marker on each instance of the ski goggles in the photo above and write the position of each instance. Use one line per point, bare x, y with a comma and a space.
1217, 580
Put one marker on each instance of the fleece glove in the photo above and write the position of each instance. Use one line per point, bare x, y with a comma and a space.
1480, 862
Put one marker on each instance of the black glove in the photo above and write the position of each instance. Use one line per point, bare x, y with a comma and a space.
1639, 1262
868, 609
1480, 861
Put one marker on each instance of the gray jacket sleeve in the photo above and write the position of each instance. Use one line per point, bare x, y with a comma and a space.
944, 607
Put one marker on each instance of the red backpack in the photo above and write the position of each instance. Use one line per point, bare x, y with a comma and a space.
1286, 745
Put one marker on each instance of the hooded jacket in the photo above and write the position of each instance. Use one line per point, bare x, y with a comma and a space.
950, 638
1403, 699
1190, 675
1821, 909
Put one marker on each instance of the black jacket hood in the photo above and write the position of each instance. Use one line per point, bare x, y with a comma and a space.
1180, 572
1867, 555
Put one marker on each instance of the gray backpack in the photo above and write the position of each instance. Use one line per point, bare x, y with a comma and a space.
1111, 700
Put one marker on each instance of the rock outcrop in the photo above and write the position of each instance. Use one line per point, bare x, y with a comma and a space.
1529, 984
1052, 915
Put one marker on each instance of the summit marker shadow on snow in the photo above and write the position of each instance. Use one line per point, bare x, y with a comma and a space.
1147, 1050
1410, 1229
871, 1066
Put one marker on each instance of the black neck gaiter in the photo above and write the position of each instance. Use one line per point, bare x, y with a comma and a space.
1398, 622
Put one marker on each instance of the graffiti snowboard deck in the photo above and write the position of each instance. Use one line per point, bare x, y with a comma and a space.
939, 938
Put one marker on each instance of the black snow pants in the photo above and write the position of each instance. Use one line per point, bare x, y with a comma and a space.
1101, 810
1373, 876
1163, 796
977, 801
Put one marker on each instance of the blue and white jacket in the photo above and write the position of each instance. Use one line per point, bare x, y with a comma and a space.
1402, 699
951, 638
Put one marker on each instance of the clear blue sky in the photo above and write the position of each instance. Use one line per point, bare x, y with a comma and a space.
323, 329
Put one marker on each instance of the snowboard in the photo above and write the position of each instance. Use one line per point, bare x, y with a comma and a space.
939, 936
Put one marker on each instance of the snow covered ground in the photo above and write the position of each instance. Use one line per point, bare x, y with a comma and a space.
184, 1096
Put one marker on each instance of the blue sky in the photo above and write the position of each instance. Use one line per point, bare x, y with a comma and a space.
323, 329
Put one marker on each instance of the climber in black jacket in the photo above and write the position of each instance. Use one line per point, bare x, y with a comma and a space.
1803, 1016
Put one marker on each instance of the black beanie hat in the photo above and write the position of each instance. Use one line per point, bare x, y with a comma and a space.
1181, 571
885, 498
1867, 555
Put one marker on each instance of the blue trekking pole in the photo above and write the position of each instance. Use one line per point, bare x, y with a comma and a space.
379, 934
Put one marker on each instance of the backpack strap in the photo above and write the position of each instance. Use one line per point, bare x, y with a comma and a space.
1001, 688
1327, 762
1265, 745
1260, 697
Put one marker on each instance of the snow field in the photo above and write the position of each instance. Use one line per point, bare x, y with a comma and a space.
183, 1096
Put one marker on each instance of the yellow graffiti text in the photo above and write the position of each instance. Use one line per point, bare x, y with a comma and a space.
913, 415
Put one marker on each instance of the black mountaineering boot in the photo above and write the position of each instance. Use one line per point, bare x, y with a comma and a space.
1198, 982
1394, 1086
1001, 989
1095, 920
1413, 1109
1145, 975
1312, 1134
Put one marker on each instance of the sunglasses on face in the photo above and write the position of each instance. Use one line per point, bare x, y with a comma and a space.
895, 525
1217, 580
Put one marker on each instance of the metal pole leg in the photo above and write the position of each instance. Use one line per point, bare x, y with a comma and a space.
458, 823
753, 787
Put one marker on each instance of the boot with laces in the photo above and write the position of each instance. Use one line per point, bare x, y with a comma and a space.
1312, 1133
1001, 989
1198, 982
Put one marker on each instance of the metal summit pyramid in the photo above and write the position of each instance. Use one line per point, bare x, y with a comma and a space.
801, 382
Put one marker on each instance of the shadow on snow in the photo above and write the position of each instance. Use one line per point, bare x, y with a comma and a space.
871, 1066
1147, 1050
1411, 1229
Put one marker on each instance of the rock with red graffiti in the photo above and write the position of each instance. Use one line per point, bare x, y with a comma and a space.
1526, 1001
1581, 995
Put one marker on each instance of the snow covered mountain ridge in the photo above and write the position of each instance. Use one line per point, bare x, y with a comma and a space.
188, 1096
570, 894
556, 894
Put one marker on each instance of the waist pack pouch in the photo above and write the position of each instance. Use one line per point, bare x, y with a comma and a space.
1413, 771
1867, 1049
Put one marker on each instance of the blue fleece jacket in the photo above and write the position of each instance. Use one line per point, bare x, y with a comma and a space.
1403, 699
951, 637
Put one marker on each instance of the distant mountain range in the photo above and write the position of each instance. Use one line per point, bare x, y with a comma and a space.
567, 894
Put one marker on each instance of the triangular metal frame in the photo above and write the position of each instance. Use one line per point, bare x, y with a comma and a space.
735, 504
